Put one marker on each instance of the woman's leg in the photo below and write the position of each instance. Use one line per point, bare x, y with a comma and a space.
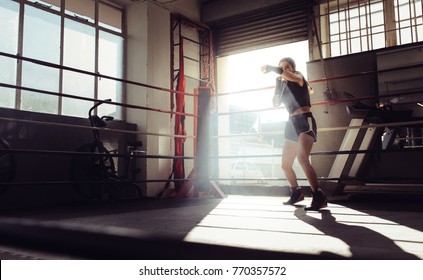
305, 144
289, 152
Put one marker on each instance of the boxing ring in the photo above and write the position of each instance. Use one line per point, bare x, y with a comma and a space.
205, 176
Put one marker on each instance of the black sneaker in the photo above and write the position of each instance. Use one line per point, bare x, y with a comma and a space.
296, 196
319, 201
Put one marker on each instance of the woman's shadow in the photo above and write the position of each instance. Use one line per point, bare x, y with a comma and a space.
364, 243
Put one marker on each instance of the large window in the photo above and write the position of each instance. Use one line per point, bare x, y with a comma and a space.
80, 56
352, 26
67, 33
41, 37
409, 21
9, 30
110, 64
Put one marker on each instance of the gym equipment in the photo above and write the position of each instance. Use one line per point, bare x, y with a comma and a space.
369, 132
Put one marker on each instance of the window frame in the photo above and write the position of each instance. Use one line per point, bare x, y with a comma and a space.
98, 27
391, 28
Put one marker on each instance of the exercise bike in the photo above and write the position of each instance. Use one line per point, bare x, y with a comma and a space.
93, 168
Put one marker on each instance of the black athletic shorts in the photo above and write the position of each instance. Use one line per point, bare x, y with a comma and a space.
298, 124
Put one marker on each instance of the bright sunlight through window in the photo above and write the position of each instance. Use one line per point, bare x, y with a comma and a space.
250, 129
243, 73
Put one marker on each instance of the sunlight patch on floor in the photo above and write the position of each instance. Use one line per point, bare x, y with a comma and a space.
263, 223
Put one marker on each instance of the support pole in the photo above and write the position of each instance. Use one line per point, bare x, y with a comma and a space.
203, 142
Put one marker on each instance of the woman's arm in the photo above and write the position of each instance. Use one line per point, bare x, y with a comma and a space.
269, 68
295, 77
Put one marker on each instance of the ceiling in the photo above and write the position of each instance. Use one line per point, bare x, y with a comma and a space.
212, 11
242, 25
188, 8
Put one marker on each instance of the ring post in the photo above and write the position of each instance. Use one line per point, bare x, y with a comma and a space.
202, 142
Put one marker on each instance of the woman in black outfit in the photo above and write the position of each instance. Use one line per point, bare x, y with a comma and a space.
300, 131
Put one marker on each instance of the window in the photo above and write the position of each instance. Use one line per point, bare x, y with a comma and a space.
9, 31
409, 21
110, 64
110, 17
70, 36
41, 40
49, 4
351, 26
81, 9
80, 56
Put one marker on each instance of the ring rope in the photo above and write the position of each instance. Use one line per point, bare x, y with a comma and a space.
330, 78
328, 129
57, 66
366, 73
42, 183
317, 153
95, 100
370, 126
94, 128
72, 153
329, 102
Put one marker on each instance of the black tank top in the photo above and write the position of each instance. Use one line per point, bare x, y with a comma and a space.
293, 95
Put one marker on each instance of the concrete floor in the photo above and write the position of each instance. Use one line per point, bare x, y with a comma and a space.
356, 229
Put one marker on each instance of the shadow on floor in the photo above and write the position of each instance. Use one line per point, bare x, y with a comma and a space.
364, 243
